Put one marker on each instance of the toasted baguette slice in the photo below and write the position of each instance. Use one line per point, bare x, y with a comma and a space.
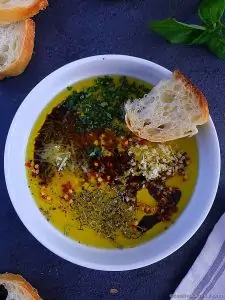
17, 288
172, 110
16, 47
18, 10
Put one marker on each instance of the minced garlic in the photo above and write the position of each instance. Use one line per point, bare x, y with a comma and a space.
153, 161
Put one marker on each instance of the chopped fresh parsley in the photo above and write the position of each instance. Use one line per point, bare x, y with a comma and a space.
96, 107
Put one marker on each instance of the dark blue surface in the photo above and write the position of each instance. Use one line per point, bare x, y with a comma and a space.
72, 29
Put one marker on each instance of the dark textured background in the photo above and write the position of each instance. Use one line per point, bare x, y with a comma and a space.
72, 29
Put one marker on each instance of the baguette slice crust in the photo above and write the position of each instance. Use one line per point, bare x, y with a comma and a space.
200, 97
172, 110
18, 288
10, 14
18, 65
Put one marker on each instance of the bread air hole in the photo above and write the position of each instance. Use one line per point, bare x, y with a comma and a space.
195, 118
173, 108
161, 126
176, 87
3, 292
188, 107
4, 48
168, 109
188, 132
152, 131
3, 59
167, 98
147, 122
14, 45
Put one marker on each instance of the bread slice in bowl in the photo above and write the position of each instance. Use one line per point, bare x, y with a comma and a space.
171, 110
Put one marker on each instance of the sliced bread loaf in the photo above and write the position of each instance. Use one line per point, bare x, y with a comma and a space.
19, 10
16, 47
17, 288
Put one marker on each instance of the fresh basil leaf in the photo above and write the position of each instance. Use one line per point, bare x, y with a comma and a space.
216, 45
177, 32
211, 11
202, 38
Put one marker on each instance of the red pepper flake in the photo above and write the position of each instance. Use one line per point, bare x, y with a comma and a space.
66, 187
28, 164
126, 143
91, 175
34, 173
143, 142
133, 227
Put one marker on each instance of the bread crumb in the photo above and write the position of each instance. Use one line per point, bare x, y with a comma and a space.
113, 291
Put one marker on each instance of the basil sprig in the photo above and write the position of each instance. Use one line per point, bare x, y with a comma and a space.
211, 33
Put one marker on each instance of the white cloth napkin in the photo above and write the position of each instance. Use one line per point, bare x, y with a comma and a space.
206, 278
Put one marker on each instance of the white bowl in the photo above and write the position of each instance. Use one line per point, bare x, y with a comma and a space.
26, 208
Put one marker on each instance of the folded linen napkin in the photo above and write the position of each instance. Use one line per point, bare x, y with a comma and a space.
206, 278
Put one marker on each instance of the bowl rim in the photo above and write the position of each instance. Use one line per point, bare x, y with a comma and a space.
48, 245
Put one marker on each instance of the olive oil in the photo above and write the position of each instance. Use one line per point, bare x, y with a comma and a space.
58, 211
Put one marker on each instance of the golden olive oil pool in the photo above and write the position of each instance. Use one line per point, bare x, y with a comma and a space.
56, 205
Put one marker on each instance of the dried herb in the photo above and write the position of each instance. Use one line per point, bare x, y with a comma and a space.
46, 213
67, 229
105, 212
